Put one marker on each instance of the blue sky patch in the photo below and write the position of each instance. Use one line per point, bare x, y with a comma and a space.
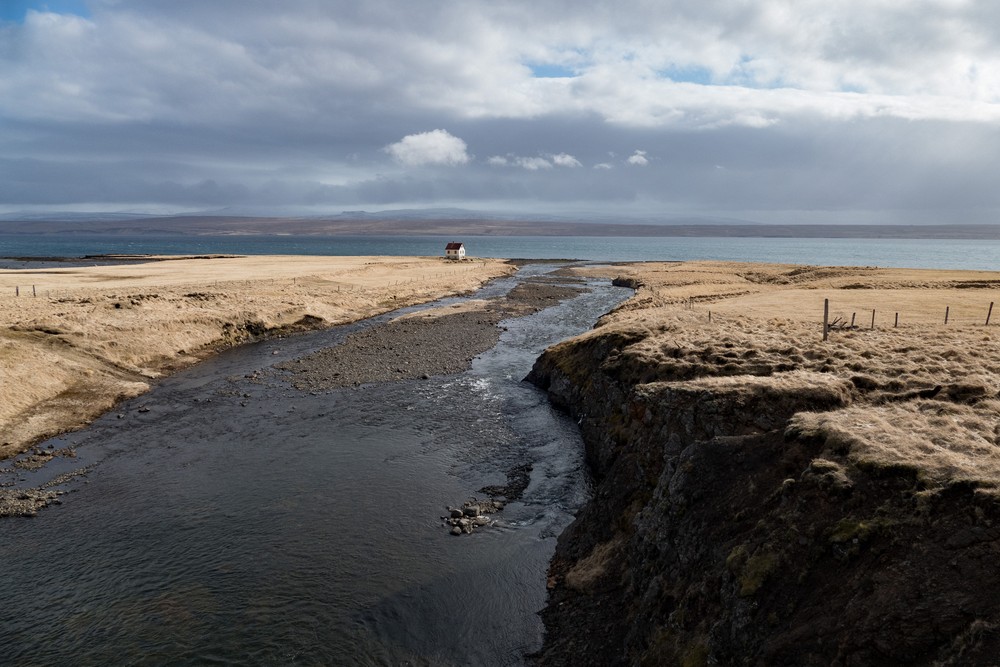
15, 10
695, 74
551, 72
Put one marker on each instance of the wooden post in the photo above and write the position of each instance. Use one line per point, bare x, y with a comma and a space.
826, 319
989, 313
709, 316
17, 291
33, 292
946, 309
852, 319
896, 325
873, 318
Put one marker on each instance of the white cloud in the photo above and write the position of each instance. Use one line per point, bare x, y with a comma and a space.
529, 163
533, 163
638, 159
603, 165
435, 147
565, 160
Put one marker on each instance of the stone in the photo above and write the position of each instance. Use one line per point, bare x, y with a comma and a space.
456, 531
472, 510
456, 514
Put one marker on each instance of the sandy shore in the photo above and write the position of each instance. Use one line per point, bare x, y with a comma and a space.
75, 341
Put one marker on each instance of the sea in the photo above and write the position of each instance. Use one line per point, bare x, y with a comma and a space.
907, 253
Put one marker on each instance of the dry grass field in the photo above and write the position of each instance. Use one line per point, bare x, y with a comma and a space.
77, 340
925, 394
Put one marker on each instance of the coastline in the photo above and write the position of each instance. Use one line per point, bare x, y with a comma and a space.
76, 341
763, 496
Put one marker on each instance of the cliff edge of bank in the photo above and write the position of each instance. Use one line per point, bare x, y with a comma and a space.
765, 497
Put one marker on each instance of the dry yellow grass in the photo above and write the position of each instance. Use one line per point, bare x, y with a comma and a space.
95, 335
925, 394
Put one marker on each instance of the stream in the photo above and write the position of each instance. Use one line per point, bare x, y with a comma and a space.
227, 518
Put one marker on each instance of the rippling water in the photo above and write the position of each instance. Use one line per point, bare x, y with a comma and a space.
910, 253
240, 521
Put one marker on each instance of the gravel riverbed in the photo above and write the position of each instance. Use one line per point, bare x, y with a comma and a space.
438, 343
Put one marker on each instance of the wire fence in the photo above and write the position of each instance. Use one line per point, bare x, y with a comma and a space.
835, 314
345, 285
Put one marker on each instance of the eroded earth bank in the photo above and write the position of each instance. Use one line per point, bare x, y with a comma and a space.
765, 497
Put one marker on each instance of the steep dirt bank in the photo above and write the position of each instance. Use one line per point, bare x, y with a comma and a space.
765, 498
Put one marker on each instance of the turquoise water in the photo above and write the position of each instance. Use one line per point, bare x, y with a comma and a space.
919, 253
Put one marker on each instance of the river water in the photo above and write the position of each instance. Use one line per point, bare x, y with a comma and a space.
236, 520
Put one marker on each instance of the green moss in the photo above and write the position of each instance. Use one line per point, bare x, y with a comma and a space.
758, 568
849, 529
736, 558
695, 656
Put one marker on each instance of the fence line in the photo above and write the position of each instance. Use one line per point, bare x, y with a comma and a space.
948, 318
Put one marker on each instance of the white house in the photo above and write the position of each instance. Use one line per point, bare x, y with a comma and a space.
454, 251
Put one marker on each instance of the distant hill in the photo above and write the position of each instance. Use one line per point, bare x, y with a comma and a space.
457, 223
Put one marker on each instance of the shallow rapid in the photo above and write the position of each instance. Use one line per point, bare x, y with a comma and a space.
228, 518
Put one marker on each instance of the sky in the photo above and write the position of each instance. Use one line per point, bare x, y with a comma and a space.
787, 111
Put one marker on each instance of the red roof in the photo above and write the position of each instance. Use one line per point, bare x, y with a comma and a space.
453, 246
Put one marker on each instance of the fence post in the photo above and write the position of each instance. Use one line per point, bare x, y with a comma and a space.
826, 319
852, 319
33, 292
873, 318
946, 309
17, 291
989, 313
896, 325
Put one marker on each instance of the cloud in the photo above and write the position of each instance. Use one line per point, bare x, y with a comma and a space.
638, 159
437, 147
534, 163
834, 108
565, 160
528, 163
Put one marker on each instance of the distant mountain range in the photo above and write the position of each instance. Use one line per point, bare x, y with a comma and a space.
458, 223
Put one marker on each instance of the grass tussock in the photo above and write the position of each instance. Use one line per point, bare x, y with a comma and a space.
586, 573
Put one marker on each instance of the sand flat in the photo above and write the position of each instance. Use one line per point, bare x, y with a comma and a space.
79, 339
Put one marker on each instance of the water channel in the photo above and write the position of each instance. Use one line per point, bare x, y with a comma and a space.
236, 520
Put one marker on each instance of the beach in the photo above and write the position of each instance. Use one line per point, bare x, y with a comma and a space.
74, 341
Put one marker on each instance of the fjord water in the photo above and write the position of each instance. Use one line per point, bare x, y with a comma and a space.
977, 254
236, 520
